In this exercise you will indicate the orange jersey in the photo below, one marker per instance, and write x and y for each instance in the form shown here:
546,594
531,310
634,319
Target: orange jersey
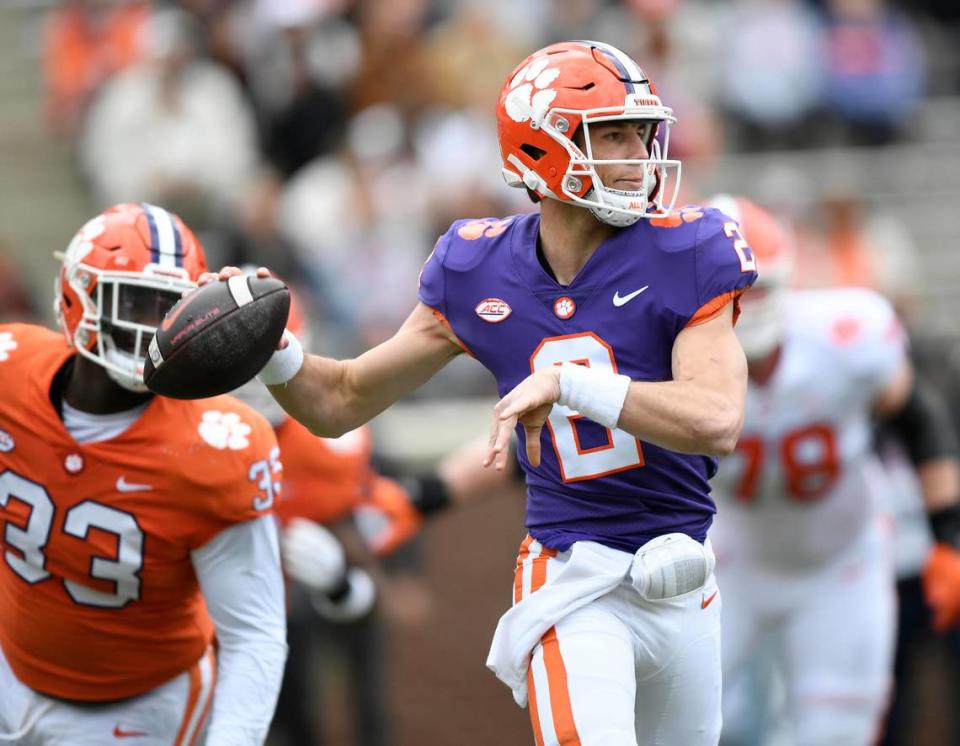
323,478
98,596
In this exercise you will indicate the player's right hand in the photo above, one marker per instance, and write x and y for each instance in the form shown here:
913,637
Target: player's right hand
312,556
529,403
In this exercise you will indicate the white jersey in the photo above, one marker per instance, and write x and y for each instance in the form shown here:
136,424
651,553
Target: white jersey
803,482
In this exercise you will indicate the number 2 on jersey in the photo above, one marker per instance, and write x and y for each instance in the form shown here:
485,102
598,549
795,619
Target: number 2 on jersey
744,252
621,451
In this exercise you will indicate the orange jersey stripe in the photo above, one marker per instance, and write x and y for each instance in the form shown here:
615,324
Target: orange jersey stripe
443,320
713,307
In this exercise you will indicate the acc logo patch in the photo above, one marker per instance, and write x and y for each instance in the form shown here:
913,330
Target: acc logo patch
493,310
6,442
224,430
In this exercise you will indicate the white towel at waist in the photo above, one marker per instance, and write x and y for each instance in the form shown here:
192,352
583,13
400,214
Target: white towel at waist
590,570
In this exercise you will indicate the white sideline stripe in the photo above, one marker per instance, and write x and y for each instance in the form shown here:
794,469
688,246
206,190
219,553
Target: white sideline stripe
166,238
240,290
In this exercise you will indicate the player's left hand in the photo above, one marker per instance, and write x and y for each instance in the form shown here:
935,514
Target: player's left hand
941,586
529,403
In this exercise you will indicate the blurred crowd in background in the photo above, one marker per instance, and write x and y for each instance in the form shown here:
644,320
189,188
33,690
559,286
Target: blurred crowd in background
334,140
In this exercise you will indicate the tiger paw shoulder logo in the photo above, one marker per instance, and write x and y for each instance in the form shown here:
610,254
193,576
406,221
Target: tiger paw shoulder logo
224,430
530,95
483,229
686,214
7,345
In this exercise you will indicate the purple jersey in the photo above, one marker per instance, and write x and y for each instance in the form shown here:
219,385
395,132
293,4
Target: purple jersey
623,311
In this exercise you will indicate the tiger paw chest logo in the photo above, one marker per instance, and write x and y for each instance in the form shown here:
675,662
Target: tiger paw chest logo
7,345
530,94
224,430
564,307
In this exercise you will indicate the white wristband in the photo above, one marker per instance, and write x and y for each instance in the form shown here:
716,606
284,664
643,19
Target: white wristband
283,364
596,394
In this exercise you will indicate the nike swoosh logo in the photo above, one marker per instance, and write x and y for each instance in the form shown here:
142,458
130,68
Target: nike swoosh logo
619,300
124,486
120,733
706,601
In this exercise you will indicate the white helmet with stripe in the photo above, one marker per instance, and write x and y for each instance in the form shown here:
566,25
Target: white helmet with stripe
121,273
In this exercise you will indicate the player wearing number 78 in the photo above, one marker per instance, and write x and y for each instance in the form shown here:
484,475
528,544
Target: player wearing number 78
134,529
802,541
607,319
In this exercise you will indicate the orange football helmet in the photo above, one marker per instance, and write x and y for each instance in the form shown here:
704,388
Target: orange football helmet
764,306
119,276
564,88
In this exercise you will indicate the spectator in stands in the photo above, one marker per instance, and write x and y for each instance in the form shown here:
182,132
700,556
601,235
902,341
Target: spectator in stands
875,71
174,129
300,57
772,77
86,41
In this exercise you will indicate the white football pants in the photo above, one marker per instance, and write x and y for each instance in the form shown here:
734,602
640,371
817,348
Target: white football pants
621,671
173,713
833,634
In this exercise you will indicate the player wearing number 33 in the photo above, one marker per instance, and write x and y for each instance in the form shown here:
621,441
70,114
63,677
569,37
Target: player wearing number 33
135,530
607,318
802,541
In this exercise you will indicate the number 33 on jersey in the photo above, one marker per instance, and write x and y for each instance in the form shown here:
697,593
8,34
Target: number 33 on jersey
98,536
623,311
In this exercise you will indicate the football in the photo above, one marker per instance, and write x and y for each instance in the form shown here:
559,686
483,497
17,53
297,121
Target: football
217,338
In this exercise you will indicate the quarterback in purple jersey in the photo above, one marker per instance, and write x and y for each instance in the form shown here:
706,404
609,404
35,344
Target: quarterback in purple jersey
607,319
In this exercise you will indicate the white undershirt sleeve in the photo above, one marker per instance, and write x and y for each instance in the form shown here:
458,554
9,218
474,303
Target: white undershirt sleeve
240,576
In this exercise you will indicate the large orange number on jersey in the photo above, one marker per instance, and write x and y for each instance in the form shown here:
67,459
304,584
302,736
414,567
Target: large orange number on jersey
621,451
809,479
122,570
810,463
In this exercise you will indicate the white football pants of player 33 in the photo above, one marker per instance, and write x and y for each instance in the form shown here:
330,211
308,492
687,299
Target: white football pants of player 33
174,713
616,670
833,634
